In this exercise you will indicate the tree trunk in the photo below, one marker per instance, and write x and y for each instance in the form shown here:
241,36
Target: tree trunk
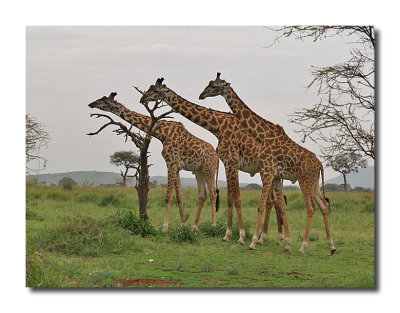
143,185
123,181
345,182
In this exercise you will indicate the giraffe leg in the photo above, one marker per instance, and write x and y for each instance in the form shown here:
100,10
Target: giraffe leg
231,198
266,221
324,207
202,195
172,169
267,179
213,195
306,188
178,192
280,203
233,174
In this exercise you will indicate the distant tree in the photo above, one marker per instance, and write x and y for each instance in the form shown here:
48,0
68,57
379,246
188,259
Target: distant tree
345,164
67,183
360,189
343,120
36,138
153,184
253,187
332,187
127,159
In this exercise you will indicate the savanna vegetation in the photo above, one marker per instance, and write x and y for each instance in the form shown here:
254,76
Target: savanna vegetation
93,237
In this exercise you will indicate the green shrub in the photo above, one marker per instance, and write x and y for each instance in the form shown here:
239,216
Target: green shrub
103,277
58,195
32,215
179,267
207,267
183,233
87,197
133,223
110,199
209,230
40,274
232,270
86,236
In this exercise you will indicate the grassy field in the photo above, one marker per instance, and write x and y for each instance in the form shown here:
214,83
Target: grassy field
88,237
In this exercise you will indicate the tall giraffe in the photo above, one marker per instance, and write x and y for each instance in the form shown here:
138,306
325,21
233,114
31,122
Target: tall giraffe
292,161
181,151
236,149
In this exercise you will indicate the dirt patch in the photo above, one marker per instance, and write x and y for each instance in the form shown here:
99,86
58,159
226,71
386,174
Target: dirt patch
146,282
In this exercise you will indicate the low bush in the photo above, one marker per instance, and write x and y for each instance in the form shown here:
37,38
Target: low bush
86,236
133,223
207,267
40,274
87,198
183,233
109,199
32,215
207,229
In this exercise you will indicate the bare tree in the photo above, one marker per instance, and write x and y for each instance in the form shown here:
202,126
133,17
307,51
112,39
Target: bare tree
142,142
345,164
36,138
343,120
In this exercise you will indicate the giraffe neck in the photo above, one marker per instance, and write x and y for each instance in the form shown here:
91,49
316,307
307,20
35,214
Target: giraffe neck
206,118
255,124
140,121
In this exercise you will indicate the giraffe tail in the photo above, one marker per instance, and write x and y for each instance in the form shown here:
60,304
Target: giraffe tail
323,186
216,189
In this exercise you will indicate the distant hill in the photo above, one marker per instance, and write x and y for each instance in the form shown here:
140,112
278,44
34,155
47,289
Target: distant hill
89,177
106,178
364,178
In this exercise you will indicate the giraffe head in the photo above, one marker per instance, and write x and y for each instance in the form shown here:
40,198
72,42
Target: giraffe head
156,92
216,87
106,103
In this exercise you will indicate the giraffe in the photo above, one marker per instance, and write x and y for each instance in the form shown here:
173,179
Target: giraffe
236,149
181,151
292,161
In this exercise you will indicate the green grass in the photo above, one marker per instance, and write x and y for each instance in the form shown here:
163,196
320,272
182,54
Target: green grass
92,237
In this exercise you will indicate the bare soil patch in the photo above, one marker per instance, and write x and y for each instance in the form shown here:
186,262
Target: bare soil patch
142,282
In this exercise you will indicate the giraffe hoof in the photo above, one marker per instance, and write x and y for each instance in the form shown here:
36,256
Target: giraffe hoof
333,251
241,241
286,250
278,243
252,248
224,240
260,242
301,251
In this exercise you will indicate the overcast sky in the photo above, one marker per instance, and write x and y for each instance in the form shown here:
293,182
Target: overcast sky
69,67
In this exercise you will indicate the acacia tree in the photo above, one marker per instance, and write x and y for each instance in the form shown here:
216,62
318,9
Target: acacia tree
36,138
343,120
142,142
345,164
127,159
